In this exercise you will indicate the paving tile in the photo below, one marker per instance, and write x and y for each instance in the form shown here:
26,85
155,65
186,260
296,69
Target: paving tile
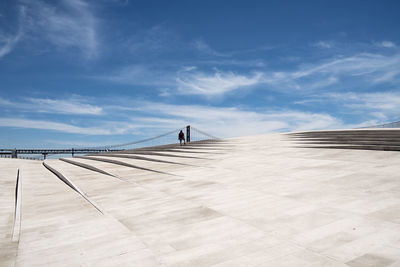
262,203
370,260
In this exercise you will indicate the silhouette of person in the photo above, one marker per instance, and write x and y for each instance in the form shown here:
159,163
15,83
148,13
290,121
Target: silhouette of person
181,137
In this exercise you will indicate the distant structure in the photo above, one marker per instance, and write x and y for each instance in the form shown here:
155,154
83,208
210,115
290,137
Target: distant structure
192,134
395,124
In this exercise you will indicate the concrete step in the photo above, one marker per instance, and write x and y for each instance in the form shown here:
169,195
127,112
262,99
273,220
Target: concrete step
354,142
382,139
365,147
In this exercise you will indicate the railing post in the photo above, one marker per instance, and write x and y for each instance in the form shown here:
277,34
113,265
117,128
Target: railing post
14,154
188,134
73,152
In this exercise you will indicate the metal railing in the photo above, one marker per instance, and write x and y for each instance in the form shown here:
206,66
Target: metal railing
395,124
171,137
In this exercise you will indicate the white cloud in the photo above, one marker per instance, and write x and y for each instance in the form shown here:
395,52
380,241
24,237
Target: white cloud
152,118
387,103
7,103
187,81
158,38
202,46
323,44
53,126
386,44
377,107
64,106
328,81
69,25
234,121
73,106
7,43
362,69
140,75
198,83
350,66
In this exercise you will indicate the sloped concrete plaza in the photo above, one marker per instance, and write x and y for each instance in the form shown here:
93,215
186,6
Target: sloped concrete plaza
250,201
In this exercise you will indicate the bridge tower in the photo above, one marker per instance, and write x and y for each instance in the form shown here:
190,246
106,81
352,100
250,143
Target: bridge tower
188,134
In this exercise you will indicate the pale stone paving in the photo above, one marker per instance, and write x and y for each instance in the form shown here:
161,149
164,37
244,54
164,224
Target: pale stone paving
251,201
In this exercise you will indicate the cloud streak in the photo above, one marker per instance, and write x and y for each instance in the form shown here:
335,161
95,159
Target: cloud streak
7,43
72,106
71,25
323,44
198,83
381,104
375,108
152,118
365,69
203,47
386,44
52,126
234,121
344,73
64,106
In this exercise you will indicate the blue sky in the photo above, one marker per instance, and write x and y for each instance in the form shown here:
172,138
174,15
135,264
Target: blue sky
84,73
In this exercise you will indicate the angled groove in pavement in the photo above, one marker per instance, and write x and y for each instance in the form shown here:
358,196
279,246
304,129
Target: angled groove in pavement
169,146
117,162
180,150
71,185
17,209
86,166
126,156
157,154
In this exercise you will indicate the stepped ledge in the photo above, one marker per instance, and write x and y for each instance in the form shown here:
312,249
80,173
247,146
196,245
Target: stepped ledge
322,198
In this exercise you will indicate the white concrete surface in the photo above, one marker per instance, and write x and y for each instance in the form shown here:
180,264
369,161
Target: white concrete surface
260,202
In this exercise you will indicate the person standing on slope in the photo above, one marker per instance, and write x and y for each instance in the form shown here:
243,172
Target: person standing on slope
181,137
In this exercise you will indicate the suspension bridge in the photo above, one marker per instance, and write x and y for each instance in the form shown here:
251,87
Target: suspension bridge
192,134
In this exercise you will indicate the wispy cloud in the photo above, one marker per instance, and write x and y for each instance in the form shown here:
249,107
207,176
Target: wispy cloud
140,75
382,103
234,121
360,70
156,39
358,65
53,126
152,118
69,25
323,44
186,80
7,43
364,69
218,83
386,44
376,108
74,106
203,47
